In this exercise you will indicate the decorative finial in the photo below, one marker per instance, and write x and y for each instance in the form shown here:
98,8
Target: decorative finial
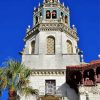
82,58
99,56
34,8
80,52
39,4
73,26
63,4
28,28
59,1
67,7
43,1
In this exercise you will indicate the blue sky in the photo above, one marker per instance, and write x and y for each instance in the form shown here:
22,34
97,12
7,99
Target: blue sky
16,15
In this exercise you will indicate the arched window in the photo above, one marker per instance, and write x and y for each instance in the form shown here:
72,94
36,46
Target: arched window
89,77
40,13
32,47
54,14
50,45
61,14
48,14
66,19
36,19
69,47
98,70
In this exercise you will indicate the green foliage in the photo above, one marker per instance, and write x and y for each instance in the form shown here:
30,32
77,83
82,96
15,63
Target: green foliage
16,77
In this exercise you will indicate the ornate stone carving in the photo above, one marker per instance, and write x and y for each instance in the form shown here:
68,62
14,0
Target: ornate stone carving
52,27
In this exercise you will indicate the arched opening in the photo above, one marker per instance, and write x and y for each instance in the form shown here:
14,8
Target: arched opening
36,19
89,77
76,76
98,74
61,14
66,19
32,47
46,1
48,14
69,47
50,45
54,14
40,13
98,70
75,79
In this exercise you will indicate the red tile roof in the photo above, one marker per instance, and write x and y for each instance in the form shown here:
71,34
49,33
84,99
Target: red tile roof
92,64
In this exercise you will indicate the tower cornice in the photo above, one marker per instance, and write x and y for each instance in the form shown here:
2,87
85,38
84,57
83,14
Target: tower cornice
52,27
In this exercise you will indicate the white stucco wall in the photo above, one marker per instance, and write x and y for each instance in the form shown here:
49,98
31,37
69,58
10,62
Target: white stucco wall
41,42
50,61
90,92
90,96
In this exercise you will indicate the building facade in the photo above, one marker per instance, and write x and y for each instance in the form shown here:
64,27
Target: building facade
50,46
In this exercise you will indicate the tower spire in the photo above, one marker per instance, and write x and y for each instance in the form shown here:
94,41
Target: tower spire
63,4
43,1
59,1
39,4
34,8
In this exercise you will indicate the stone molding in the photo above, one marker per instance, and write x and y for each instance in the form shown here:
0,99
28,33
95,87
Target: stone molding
48,72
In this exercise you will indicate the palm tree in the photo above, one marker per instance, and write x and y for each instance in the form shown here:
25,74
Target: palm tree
3,80
15,77
0,81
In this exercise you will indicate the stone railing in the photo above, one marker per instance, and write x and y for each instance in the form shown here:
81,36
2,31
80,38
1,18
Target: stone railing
88,82
58,27
91,89
52,27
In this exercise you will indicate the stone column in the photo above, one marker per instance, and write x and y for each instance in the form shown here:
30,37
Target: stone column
95,76
82,80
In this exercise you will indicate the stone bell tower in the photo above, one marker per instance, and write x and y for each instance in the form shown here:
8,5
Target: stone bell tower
50,46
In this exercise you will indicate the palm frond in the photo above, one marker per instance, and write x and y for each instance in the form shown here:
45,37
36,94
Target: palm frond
28,90
15,75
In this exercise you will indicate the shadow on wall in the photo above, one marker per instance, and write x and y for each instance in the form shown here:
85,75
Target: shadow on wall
69,92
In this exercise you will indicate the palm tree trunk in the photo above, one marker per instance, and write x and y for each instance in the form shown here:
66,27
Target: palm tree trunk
12,94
